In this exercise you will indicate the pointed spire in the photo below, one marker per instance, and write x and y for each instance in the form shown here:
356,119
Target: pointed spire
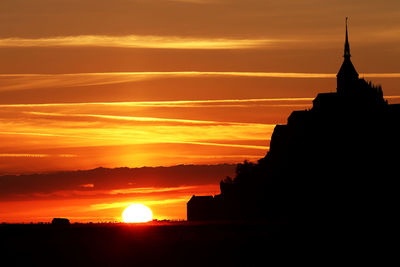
346,45
347,75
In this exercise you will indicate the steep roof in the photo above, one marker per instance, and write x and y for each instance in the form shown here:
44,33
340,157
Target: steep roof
347,69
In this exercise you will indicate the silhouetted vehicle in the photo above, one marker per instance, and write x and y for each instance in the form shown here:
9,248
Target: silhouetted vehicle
60,221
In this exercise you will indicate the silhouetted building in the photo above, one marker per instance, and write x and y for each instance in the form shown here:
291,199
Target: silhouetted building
201,208
335,162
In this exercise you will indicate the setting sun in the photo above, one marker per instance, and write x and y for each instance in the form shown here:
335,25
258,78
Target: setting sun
137,213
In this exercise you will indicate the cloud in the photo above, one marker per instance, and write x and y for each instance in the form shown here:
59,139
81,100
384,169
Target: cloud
31,155
112,182
19,155
226,145
129,118
147,190
137,41
113,205
144,119
175,103
87,185
33,81
121,191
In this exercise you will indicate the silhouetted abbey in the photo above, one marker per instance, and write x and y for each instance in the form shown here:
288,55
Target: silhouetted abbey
335,162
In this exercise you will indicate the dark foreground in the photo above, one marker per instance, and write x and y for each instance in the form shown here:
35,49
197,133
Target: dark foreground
166,244
190,244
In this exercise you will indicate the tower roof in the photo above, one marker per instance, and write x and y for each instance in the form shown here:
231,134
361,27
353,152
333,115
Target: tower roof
347,70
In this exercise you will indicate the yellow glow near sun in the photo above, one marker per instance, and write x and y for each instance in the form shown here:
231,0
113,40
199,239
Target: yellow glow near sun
137,213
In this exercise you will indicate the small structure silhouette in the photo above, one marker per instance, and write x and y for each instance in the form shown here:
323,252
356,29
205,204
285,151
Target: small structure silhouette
201,208
334,162
60,221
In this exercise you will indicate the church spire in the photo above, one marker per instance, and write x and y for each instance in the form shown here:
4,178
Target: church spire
347,75
346,45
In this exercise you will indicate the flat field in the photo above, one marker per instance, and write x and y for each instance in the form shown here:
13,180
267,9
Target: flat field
149,244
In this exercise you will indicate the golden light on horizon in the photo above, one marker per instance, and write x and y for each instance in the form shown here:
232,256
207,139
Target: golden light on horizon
137,213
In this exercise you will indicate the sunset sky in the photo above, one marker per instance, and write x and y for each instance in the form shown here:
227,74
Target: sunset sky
133,83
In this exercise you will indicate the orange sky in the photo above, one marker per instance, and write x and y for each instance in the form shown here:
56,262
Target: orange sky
134,83
102,194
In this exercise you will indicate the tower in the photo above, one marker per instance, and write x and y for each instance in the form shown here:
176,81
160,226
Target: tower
347,76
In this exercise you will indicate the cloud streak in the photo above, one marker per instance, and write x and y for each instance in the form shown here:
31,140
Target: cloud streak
145,119
113,205
62,126
175,103
32,81
137,41
25,155
149,190
293,101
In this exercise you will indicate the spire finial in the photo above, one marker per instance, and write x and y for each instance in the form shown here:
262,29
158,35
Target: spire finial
346,45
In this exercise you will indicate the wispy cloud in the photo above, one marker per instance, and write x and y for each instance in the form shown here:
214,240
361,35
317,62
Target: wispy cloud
90,190
227,145
27,155
148,190
145,119
65,127
175,103
32,81
103,206
292,102
137,41
21,155
87,185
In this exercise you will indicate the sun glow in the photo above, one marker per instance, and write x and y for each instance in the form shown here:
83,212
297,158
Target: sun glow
137,213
